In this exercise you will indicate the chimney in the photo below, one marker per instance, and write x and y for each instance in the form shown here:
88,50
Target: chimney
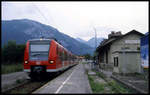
114,34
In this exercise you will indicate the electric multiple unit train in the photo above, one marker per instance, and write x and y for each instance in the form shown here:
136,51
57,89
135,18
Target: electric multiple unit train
44,56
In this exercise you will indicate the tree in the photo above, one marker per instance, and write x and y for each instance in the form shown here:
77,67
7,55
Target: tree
20,52
87,56
9,51
12,52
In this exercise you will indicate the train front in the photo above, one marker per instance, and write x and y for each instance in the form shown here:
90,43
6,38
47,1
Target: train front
36,57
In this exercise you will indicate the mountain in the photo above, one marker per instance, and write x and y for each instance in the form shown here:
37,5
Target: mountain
91,42
25,29
80,40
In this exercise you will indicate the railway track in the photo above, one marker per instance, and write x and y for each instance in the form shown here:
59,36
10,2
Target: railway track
31,85
28,87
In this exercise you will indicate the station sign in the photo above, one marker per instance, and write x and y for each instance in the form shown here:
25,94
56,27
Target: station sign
132,41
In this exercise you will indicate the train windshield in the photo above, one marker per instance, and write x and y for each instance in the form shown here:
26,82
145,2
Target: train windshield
39,48
39,51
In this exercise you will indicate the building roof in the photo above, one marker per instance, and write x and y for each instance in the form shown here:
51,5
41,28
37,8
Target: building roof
109,41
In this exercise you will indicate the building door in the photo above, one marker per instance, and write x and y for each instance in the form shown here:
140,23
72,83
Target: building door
116,63
106,56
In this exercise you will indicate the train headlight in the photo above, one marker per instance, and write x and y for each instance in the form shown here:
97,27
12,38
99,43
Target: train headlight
26,62
51,62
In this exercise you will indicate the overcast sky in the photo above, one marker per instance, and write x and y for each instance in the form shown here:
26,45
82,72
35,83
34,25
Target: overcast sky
77,19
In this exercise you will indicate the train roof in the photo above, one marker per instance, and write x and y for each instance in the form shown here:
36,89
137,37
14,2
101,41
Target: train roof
40,39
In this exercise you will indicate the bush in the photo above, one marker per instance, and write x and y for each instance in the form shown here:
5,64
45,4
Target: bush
10,68
87,56
12,52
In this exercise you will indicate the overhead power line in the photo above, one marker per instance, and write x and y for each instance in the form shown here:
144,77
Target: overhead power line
36,7
40,12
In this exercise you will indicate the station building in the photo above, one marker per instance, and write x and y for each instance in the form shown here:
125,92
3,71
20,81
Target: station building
120,53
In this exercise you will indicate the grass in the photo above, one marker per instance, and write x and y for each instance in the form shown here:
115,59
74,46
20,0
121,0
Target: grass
100,75
84,62
18,81
117,88
10,68
96,87
112,85
143,75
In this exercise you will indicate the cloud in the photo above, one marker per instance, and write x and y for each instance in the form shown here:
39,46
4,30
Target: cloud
77,19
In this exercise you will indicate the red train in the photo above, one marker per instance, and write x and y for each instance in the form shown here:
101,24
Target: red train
44,56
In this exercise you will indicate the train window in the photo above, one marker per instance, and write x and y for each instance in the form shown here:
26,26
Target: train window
66,56
63,55
73,58
69,57
59,52
57,49
39,51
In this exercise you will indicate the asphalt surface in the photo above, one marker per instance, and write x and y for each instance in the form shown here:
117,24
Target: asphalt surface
71,81
9,80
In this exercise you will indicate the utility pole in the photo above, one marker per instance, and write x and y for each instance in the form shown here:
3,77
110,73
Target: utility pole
95,41
95,38
95,47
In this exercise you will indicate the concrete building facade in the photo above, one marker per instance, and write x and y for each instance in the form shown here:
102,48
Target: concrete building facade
120,53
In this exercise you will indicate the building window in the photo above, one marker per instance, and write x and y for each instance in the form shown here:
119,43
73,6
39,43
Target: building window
115,61
138,48
106,57
125,48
